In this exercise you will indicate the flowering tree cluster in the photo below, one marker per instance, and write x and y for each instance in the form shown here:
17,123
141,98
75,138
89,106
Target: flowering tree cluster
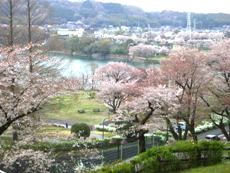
143,50
188,86
23,92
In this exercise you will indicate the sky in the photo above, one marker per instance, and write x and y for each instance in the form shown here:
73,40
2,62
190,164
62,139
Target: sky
199,6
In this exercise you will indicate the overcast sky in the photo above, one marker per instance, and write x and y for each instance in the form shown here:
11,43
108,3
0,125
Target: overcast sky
200,6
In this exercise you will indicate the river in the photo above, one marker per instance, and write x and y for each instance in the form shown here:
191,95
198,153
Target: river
76,65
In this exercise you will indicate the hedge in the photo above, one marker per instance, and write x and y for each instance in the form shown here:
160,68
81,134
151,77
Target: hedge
68,145
181,155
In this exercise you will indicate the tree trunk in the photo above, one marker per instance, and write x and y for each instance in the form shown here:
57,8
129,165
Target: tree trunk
4,127
141,142
224,131
193,133
172,130
29,34
11,39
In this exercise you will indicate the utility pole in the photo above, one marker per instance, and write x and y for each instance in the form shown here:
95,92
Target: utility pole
189,29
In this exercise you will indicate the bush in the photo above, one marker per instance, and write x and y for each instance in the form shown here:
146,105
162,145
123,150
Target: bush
81,130
96,110
157,160
173,158
211,152
82,111
119,168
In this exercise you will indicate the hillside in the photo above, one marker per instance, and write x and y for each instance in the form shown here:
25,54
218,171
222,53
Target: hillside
102,14
98,14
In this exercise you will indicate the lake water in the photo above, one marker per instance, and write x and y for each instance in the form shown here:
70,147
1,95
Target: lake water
76,66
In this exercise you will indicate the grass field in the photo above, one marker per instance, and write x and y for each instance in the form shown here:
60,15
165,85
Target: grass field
220,168
67,108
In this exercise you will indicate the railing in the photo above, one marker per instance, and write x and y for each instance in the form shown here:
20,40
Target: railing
124,151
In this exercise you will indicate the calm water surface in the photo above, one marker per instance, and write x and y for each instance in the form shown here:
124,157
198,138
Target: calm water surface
76,65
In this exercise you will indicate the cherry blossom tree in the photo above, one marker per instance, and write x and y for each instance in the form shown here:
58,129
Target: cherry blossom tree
118,81
118,72
146,111
186,69
143,50
27,161
22,93
217,98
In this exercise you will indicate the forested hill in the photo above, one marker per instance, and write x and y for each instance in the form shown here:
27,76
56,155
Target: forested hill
102,14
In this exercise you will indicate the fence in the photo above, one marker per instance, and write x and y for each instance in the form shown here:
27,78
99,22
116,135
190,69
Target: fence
125,151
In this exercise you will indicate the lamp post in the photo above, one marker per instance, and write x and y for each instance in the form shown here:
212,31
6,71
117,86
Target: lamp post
103,136
103,128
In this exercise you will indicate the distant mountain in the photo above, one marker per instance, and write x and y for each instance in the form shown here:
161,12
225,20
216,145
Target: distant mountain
98,14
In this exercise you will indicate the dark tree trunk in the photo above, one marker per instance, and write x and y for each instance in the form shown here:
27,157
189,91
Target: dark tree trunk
224,131
11,30
193,133
29,33
141,142
4,127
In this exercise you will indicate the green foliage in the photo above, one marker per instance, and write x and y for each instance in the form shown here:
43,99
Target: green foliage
119,168
157,159
81,130
211,152
220,168
179,156
102,47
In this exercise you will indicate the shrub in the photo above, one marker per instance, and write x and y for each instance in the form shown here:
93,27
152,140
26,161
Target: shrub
185,150
173,158
211,152
81,130
157,160
82,111
96,110
119,168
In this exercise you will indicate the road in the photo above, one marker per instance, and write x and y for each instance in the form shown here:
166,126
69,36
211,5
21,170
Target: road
213,132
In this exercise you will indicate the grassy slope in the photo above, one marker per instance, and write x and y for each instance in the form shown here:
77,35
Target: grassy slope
220,168
66,108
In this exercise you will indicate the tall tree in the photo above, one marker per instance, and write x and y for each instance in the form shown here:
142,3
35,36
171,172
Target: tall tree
35,15
187,70
146,111
217,98
22,93
7,12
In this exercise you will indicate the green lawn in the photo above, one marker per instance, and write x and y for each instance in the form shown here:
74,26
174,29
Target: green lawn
220,168
67,108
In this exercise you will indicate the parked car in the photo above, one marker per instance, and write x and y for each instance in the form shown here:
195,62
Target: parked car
212,137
